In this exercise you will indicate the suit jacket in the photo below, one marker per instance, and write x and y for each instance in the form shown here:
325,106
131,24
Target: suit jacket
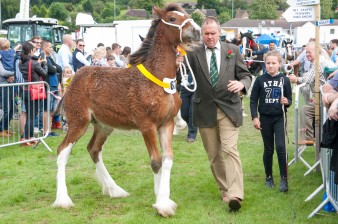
207,98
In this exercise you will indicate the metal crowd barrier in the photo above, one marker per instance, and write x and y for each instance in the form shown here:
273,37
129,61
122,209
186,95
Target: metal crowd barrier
299,149
14,112
331,189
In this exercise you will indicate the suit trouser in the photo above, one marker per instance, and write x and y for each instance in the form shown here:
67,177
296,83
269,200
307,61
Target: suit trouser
220,143
306,121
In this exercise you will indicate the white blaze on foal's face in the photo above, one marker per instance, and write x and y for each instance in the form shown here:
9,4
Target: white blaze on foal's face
179,13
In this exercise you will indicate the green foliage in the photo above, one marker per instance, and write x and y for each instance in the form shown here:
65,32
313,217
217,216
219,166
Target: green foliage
35,11
9,8
87,6
43,11
224,17
28,190
197,18
326,9
259,9
58,11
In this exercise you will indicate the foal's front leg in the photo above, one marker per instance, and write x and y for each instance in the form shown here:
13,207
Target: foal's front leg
164,206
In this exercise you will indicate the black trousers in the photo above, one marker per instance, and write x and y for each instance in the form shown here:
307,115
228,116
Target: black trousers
186,111
273,131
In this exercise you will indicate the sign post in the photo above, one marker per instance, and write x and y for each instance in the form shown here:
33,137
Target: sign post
317,91
309,10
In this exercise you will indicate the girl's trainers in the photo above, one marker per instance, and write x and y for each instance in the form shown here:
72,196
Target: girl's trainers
269,182
283,185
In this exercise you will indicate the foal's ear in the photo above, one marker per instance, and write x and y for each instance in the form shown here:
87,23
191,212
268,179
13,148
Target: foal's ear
159,12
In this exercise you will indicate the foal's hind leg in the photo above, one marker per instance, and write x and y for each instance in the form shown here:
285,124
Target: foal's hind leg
109,187
62,198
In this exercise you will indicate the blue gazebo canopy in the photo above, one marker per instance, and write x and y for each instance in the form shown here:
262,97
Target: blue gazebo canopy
266,39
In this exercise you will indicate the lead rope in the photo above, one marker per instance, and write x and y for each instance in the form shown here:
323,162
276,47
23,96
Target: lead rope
183,71
285,126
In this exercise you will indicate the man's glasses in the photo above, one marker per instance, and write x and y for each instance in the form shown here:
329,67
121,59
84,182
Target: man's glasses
81,45
36,42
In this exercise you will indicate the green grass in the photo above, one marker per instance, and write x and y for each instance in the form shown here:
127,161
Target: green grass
28,184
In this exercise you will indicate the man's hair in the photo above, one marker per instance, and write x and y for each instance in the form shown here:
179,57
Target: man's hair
35,37
44,43
210,19
100,45
79,40
115,45
334,41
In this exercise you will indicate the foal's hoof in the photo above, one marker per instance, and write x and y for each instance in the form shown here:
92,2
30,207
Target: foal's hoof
63,203
165,208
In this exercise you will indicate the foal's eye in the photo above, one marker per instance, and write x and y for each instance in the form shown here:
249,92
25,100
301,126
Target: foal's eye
172,19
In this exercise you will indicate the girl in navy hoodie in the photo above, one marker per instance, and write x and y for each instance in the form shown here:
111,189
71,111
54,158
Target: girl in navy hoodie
271,94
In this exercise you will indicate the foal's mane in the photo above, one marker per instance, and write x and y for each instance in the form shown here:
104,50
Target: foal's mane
142,53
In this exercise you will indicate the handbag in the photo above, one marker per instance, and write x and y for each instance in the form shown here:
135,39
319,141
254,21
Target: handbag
37,91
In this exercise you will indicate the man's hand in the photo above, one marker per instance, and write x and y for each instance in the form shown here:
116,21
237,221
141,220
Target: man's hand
179,59
333,111
235,86
10,79
293,78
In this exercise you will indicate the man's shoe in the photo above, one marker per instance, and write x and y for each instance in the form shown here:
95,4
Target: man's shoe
283,185
305,142
4,134
235,204
269,182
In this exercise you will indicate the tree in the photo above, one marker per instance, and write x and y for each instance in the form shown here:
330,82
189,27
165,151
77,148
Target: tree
87,6
208,4
259,9
35,11
43,11
58,11
197,18
9,8
326,9
224,17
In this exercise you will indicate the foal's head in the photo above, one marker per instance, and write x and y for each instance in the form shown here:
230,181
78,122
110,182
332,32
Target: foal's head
173,25
179,28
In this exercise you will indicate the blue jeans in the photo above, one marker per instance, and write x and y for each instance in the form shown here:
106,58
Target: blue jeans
32,107
186,111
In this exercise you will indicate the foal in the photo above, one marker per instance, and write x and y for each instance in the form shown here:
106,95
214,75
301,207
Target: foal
140,97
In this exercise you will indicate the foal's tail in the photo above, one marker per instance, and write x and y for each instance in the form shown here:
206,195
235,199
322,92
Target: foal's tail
59,109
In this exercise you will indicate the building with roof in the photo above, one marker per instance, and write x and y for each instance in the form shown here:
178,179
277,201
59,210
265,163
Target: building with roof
302,31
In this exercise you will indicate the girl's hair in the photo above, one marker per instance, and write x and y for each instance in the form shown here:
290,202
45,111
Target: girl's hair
276,54
66,68
25,52
99,52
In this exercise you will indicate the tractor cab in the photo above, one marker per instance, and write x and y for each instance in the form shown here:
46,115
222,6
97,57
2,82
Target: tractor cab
59,31
23,29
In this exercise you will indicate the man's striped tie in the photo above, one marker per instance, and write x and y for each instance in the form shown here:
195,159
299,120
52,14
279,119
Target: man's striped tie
213,68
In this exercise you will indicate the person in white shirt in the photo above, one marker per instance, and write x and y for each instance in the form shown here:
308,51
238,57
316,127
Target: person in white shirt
79,59
65,54
116,48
